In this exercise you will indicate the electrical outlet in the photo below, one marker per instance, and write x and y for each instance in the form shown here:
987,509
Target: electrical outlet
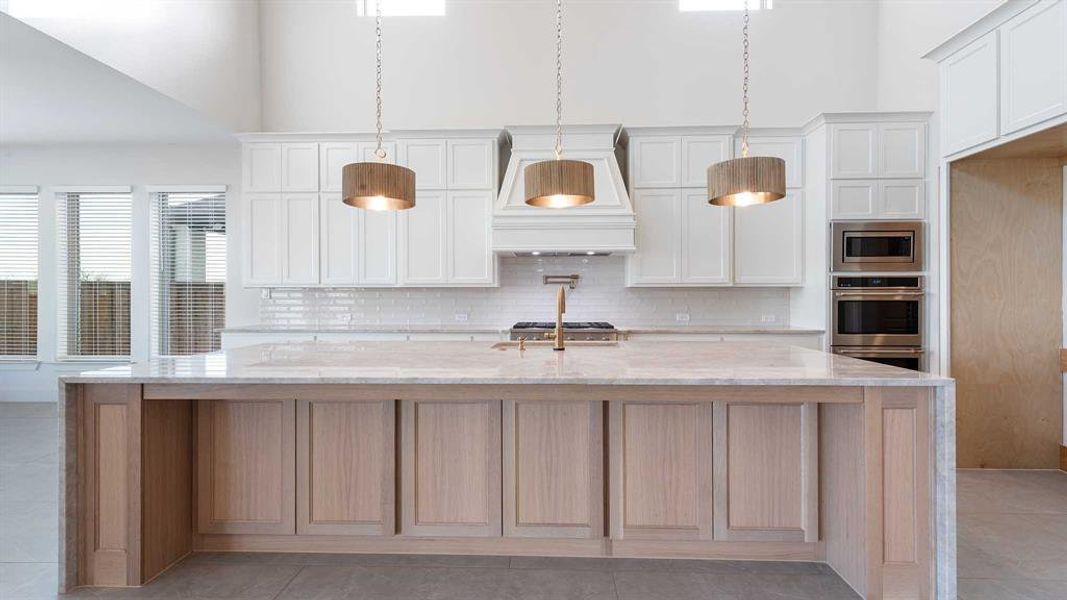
769,318
461,317
681,317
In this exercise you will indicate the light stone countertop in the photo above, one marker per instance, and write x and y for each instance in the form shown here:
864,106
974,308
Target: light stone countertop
627,363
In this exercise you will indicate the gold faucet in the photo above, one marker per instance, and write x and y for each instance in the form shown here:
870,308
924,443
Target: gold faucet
561,307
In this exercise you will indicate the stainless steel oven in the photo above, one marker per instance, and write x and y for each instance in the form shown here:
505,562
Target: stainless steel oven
877,311
903,357
874,246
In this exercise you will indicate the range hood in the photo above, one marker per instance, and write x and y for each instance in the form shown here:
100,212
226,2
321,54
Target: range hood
602,227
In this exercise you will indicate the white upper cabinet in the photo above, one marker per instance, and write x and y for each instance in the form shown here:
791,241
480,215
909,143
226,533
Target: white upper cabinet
262,167
706,241
969,95
428,158
423,230
262,231
333,156
789,149
854,199
471,164
300,239
656,161
901,198
877,199
300,167
658,259
357,247
854,151
901,150
699,152
377,247
768,242
1033,66
470,259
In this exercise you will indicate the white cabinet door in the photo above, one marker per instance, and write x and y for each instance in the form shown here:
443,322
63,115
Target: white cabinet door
427,158
262,167
333,156
300,167
377,247
656,161
423,235
854,151
339,230
901,198
300,239
701,151
1033,66
470,259
471,164
706,240
789,149
768,242
853,199
262,239
659,223
969,95
902,150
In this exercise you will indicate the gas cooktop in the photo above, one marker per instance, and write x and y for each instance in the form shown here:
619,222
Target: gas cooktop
566,325
572,330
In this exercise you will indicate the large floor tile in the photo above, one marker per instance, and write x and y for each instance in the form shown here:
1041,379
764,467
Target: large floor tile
26,440
1006,546
322,582
659,585
522,584
251,582
28,581
28,410
29,482
365,560
29,532
1011,491
1011,589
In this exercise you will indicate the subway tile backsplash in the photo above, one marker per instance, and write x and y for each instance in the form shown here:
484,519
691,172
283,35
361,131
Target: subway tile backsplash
601,295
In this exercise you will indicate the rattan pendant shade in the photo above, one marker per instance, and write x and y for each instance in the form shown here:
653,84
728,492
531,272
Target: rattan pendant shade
558,183
746,181
378,186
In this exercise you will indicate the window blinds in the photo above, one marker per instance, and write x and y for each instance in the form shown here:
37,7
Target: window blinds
18,275
93,233
190,271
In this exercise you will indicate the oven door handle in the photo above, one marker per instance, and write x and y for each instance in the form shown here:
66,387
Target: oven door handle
861,295
879,351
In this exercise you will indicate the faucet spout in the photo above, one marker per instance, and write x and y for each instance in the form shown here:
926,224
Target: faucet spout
561,307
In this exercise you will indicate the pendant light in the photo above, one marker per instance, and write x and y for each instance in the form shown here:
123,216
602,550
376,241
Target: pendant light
559,183
378,185
747,180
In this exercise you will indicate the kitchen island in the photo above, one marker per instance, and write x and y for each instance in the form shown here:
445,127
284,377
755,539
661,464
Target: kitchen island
711,450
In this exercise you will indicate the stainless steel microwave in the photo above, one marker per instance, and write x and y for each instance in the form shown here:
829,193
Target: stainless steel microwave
875,246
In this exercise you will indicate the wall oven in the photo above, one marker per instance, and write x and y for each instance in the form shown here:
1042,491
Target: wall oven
877,311
874,246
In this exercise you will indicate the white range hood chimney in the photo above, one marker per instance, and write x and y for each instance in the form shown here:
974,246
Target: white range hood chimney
602,227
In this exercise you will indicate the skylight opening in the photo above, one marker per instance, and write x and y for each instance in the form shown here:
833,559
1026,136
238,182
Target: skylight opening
710,5
401,8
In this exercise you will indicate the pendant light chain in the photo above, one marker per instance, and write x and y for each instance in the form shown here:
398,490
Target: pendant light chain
379,152
559,78
744,86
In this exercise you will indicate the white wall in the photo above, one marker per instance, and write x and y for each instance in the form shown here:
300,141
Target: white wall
137,166
491,63
908,29
204,54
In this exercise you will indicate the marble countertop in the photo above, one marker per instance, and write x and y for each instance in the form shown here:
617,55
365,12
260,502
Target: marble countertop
634,329
625,363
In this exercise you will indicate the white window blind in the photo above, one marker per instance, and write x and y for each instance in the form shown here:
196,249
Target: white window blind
190,271
93,234
18,275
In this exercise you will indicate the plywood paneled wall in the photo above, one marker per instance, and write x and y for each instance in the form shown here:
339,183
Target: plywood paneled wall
1006,282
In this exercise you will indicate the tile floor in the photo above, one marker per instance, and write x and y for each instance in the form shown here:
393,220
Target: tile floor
1012,546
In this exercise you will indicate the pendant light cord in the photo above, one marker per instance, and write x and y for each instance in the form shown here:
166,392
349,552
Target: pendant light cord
379,152
744,85
559,78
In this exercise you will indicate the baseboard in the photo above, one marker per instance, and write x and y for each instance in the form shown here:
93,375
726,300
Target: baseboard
1063,458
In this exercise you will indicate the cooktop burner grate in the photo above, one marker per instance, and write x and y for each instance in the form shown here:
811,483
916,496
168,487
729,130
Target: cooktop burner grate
566,325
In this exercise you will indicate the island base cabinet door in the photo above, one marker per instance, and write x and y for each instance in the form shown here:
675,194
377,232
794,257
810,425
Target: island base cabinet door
450,468
345,467
766,472
553,469
246,466
661,470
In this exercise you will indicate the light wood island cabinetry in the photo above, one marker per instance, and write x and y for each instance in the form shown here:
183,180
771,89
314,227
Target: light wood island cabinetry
689,461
